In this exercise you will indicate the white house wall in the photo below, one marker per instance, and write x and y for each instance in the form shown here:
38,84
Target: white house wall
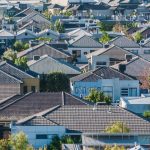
83,57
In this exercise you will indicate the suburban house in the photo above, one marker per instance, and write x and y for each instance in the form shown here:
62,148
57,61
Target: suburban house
55,8
86,121
6,38
136,67
137,105
39,18
112,82
81,46
48,33
14,81
108,57
34,53
47,64
78,32
98,10
19,106
24,13
132,46
25,35
32,26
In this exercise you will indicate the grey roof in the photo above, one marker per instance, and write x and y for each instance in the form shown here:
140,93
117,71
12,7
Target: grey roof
100,73
65,64
88,120
6,78
25,12
78,32
84,41
51,51
124,42
14,71
33,103
147,44
113,51
137,67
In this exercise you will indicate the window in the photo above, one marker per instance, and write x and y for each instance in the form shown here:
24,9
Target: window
76,90
25,89
76,53
134,51
26,33
33,89
41,136
132,91
36,57
91,51
85,53
124,92
45,136
99,89
100,64
108,90
146,51
48,33
83,90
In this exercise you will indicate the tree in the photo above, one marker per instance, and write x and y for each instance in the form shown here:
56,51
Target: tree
146,114
68,13
59,26
44,39
55,143
115,147
138,37
98,96
22,62
105,26
20,46
4,144
19,141
54,82
47,14
10,55
67,140
145,79
117,127
105,38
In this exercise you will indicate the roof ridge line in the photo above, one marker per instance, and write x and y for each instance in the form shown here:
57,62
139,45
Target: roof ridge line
76,98
15,101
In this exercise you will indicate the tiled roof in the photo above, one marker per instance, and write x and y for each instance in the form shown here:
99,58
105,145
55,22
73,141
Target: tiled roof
25,12
52,51
142,66
124,42
147,44
14,70
86,119
5,33
113,52
6,78
64,65
100,73
78,32
33,103
84,41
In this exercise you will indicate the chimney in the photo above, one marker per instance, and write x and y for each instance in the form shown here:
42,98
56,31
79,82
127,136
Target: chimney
122,68
128,57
